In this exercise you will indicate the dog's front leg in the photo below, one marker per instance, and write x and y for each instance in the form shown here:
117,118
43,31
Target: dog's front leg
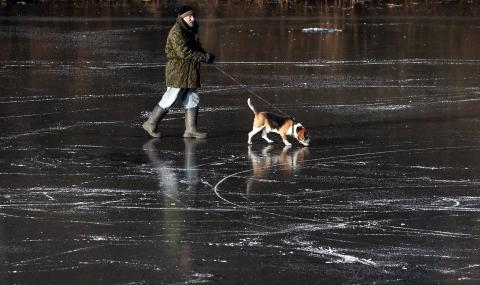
284,139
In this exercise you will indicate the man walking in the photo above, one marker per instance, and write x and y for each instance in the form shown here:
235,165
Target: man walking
184,54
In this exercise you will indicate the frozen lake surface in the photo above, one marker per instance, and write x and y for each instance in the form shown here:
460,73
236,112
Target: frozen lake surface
387,192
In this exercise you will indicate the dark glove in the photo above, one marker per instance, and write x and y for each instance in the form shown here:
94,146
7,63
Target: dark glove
210,58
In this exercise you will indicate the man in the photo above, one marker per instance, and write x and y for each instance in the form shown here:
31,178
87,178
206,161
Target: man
184,54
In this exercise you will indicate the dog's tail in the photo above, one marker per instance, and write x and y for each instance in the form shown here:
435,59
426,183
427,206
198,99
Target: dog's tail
251,107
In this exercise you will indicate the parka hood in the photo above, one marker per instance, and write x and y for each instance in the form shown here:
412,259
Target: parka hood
186,27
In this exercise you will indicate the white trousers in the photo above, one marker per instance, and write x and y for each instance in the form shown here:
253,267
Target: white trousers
189,97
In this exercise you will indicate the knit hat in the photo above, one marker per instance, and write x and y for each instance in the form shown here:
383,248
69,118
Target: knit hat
185,11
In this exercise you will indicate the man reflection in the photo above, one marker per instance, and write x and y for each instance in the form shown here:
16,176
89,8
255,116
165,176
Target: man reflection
171,178
289,161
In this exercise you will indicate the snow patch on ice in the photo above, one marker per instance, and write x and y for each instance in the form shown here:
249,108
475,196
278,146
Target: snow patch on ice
197,278
320,30
428,167
336,255
449,271
267,180
242,243
99,238
388,107
219,109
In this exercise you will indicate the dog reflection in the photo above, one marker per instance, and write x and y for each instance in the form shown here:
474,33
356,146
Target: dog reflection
288,161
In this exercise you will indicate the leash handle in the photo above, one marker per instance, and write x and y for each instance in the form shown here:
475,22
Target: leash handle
248,89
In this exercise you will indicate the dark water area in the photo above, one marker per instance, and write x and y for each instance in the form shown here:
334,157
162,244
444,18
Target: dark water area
387,192
233,8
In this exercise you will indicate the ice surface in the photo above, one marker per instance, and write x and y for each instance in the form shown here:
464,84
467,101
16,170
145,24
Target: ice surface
388,191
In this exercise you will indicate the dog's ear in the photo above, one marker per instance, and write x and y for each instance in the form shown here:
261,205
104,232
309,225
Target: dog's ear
301,132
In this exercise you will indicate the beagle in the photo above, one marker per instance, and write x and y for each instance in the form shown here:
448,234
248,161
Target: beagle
284,126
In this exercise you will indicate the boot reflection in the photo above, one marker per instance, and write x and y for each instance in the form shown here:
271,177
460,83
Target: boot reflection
190,161
289,161
167,178
168,173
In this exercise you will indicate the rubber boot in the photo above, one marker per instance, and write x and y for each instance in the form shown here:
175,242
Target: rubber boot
191,116
151,124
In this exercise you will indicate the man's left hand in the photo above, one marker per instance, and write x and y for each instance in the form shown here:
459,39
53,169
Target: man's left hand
210,58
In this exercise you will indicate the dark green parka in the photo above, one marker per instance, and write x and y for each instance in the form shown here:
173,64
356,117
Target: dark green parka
184,54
